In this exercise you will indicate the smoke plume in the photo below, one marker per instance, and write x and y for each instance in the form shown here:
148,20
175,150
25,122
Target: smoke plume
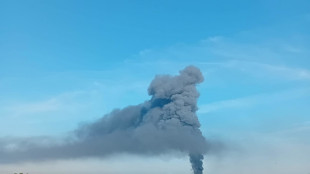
165,123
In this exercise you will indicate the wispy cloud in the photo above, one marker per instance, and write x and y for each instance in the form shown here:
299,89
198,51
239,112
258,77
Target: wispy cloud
295,130
254,100
56,103
270,70
33,107
40,117
272,57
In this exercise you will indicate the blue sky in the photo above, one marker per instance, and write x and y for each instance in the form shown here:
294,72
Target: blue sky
63,63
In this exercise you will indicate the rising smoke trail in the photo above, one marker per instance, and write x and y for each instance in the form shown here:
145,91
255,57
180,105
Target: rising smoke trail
166,123
196,161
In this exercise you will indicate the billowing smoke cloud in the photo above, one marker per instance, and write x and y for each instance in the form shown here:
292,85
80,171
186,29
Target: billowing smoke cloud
165,123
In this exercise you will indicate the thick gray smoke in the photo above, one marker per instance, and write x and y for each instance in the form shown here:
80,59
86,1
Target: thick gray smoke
196,161
165,123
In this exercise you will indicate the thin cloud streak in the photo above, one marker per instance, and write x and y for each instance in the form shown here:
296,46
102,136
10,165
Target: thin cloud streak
255,100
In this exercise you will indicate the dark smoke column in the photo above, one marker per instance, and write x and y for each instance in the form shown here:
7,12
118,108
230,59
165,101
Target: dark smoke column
196,161
182,95
166,123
